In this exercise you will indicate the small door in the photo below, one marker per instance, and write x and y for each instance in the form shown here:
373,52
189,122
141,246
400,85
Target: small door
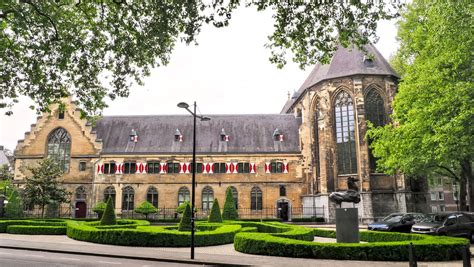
81,209
283,210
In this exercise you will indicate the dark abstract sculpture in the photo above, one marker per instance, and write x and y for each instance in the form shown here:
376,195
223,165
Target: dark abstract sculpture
351,195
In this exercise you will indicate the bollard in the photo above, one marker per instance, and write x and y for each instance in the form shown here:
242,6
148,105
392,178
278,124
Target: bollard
466,256
412,256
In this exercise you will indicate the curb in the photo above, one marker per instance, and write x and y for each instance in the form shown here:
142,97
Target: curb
125,256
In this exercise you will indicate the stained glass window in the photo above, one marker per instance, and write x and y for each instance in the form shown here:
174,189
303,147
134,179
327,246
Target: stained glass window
59,147
345,134
235,195
256,199
109,192
375,113
183,195
207,198
152,196
128,197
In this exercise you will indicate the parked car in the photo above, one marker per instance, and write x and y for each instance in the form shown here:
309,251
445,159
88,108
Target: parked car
397,222
459,224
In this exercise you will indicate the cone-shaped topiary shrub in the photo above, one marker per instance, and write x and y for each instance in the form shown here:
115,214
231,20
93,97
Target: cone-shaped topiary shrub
146,208
230,212
108,218
185,223
215,216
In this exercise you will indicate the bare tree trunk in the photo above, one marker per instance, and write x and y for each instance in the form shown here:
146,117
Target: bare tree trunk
466,174
462,193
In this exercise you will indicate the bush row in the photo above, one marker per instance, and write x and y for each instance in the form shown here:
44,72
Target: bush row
381,247
36,230
5,223
151,236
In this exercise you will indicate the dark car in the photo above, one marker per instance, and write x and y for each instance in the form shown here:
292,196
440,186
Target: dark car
397,222
450,224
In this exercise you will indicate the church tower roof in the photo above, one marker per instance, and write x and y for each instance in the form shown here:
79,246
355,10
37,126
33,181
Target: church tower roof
346,62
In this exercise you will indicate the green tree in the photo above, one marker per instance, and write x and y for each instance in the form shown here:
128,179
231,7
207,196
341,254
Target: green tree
43,187
99,208
185,223
14,207
433,129
146,208
108,218
5,172
180,209
230,212
52,49
215,215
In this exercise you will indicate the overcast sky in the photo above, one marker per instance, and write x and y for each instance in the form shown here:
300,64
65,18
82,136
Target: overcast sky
227,73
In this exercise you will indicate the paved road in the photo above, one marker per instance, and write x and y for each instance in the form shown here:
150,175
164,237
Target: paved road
20,258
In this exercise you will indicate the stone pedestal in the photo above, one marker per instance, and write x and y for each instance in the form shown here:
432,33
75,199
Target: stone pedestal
347,225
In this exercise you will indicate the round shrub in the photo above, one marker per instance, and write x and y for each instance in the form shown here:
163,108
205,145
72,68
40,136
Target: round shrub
99,208
146,208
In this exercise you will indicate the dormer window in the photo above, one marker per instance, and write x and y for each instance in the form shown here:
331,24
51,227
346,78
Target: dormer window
368,61
277,135
178,137
61,115
223,136
133,136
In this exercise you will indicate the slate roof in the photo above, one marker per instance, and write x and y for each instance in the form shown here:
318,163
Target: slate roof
3,158
345,62
247,134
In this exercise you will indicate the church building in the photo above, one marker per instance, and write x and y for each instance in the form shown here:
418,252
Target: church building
283,165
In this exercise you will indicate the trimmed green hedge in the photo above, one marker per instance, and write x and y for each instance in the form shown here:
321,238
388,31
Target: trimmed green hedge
381,246
36,230
5,223
153,236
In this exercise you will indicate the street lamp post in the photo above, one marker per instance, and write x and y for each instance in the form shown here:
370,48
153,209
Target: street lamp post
193,181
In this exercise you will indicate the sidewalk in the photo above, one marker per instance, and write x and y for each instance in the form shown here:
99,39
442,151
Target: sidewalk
224,255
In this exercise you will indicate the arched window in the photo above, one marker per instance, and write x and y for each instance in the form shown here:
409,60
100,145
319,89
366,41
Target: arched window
345,134
109,192
59,147
375,113
207,198
81,193
152,196
183,195
235,196
128,196
256,199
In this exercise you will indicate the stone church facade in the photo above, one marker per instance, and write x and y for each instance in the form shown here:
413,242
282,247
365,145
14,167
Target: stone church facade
284,163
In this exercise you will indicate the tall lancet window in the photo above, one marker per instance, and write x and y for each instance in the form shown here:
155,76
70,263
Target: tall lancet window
345,134
375,113
59,147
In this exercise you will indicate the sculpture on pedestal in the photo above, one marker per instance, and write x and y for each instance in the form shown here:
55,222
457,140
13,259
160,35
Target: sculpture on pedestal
350,195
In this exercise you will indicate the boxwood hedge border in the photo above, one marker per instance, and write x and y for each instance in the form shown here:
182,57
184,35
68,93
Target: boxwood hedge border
380,246
33,226
141,234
